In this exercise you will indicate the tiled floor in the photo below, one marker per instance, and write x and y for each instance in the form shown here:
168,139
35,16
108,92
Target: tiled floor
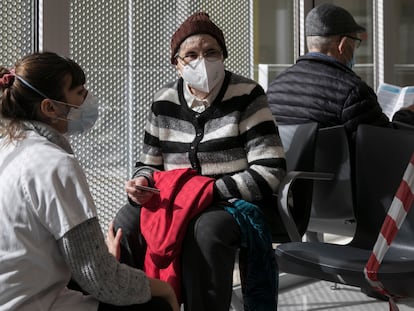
300,294
322,295
325,296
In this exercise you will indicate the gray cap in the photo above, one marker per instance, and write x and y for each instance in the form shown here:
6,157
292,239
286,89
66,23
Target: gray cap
328,19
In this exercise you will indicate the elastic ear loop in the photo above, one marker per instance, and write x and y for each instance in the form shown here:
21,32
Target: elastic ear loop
30,86
40,93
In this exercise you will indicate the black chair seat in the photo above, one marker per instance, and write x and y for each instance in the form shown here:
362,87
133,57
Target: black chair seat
317,258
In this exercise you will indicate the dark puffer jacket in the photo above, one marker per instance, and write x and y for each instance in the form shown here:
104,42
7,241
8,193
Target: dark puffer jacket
319,88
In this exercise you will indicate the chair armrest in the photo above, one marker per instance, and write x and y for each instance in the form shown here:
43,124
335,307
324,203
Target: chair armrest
283,194
402,125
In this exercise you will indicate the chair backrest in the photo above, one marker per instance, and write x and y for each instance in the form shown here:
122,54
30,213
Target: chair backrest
382,155
299,144
332,201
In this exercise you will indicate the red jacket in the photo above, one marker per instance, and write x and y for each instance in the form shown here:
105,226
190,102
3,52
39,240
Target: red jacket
164,220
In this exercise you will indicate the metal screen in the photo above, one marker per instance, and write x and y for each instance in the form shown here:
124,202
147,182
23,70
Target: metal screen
17,34
123,46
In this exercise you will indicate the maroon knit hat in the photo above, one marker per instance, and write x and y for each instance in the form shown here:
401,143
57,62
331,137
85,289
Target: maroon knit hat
198,23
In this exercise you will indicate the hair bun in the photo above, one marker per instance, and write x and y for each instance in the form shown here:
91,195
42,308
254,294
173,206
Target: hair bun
7,79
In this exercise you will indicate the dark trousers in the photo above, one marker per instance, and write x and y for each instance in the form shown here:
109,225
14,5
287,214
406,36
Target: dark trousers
155,304
208,255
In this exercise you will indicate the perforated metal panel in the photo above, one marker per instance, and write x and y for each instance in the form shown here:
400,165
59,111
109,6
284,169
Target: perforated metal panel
17,20
123,46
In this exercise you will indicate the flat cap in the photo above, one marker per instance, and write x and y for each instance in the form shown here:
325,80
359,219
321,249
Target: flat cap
328,19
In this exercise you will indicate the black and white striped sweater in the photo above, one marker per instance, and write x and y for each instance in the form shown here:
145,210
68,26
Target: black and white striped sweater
235,140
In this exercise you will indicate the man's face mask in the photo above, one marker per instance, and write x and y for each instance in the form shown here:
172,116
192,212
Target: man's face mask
203,75
350,64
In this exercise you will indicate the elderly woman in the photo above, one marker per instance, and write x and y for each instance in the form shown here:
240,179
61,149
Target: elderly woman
218,124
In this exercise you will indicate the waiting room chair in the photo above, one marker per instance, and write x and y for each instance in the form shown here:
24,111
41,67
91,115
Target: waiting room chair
332,201
290,224
382,155
299,143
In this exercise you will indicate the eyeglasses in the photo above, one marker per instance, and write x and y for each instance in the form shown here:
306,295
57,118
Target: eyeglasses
209,55
357,40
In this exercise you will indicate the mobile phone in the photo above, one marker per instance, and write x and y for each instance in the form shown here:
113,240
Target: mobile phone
154,190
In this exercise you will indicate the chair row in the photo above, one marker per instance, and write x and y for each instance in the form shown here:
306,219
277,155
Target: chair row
380,158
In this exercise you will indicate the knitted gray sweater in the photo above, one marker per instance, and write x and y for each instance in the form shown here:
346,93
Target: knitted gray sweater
97,271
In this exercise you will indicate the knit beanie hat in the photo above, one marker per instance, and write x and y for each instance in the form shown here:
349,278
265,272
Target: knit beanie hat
198,23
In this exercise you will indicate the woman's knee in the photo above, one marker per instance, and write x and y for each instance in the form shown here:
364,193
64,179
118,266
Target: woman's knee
127,218
133,245
214,227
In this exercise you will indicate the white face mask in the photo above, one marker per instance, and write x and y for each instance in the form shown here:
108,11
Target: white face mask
203,75
81,119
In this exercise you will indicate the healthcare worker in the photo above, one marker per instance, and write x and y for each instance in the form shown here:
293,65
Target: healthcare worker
49,227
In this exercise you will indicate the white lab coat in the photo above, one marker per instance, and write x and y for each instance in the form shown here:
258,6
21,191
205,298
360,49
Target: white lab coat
43,194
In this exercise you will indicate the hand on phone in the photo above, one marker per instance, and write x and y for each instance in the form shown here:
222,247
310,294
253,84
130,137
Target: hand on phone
145,188
138,190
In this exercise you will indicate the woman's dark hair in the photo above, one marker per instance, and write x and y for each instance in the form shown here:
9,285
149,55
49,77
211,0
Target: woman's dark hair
47,72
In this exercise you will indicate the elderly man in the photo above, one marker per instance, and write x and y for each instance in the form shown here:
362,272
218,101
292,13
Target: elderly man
321,86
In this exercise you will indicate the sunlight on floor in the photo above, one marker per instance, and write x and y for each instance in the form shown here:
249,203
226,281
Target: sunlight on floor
301,294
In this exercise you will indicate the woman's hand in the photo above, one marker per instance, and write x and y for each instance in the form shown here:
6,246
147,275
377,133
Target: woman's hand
164,289
113,241
137,195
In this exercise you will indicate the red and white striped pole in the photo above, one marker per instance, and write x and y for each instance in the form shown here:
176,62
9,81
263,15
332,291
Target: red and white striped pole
400,206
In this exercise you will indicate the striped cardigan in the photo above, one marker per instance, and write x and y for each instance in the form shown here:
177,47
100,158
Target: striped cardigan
234,141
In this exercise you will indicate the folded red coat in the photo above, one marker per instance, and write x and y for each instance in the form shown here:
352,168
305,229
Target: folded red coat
165,218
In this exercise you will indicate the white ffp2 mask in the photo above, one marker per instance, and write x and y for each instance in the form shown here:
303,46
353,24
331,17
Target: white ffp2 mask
203,75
